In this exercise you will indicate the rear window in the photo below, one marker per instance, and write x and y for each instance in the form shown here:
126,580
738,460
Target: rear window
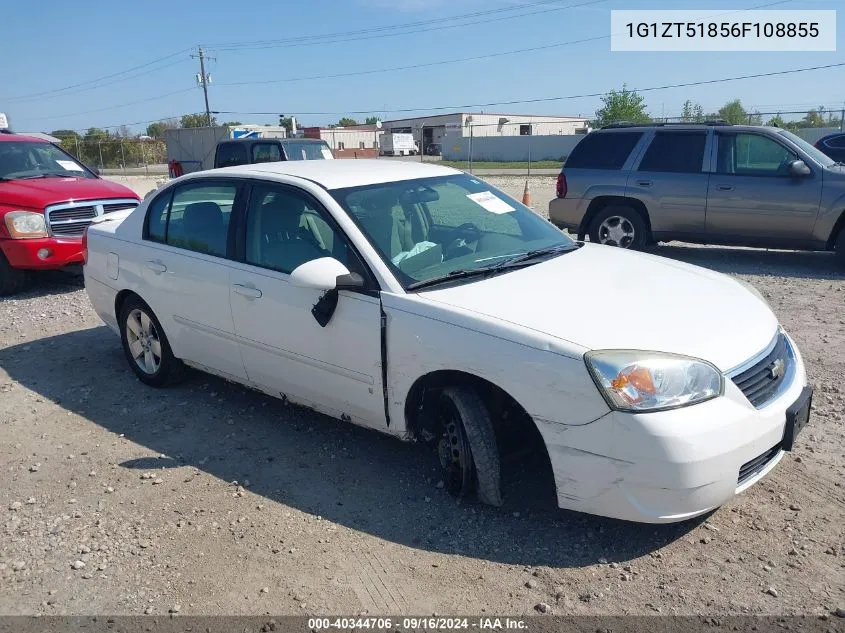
678,152
603,150
229,154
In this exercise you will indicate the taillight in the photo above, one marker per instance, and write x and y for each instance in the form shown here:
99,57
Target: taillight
85,245
561,185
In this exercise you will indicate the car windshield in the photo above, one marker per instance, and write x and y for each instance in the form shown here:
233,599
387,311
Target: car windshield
25,159
448,227
306,151
814,153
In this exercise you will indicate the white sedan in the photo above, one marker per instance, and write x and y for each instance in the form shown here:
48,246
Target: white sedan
419,301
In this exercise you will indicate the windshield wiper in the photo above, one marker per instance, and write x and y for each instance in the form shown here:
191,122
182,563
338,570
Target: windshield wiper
461,273
537,253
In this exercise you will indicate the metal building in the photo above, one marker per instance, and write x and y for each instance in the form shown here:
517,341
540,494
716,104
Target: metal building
435,129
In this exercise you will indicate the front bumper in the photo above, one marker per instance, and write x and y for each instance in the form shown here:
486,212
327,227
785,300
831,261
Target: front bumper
671,465
23,254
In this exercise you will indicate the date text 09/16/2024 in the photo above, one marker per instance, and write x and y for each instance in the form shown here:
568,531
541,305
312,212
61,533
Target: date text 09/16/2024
415,623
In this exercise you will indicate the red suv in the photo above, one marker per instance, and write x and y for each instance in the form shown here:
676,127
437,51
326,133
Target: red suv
47,198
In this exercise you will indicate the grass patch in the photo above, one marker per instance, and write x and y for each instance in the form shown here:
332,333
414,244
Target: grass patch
521,165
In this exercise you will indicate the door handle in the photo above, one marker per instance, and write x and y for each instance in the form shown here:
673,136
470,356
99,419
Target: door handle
645,183
156,266
248,291
726,187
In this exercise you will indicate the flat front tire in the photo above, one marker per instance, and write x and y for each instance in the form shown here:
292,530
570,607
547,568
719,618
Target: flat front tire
469,456
145,345
619,225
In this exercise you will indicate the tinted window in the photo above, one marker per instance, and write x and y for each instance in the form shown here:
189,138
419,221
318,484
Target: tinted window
266,153
680,152
157,217
607,150
284,229
229,154
199,217
752,155
836,141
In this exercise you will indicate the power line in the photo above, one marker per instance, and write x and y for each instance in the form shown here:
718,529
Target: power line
115,107
465,106
400,29
415,66
99,79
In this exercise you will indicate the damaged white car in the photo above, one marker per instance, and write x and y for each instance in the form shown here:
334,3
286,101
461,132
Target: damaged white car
422,302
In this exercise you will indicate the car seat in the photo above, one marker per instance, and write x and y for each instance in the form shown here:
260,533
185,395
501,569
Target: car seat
204,229
285,242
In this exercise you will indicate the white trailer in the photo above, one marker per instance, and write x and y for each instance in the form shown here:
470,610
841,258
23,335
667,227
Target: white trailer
399,144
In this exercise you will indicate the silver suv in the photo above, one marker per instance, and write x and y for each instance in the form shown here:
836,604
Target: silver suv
715,183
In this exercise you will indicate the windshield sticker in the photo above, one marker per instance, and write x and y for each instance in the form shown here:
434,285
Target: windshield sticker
69,165
492,203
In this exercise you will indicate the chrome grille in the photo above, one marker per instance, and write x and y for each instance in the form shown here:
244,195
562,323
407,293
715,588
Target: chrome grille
761,381
70,219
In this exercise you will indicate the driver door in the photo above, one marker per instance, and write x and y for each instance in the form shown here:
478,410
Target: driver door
752,195
335,369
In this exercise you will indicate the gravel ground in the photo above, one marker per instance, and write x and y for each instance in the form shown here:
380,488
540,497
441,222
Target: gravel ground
208,498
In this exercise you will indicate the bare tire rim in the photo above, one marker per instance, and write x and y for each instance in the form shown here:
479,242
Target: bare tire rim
617,231
453,450
143,340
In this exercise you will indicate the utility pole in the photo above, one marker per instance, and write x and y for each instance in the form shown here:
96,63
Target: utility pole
203,79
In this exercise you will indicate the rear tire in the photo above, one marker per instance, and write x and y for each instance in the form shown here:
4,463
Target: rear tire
840,246
12,280
619,225
146,346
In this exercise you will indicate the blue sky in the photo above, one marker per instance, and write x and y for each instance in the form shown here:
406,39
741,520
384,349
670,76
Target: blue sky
53,44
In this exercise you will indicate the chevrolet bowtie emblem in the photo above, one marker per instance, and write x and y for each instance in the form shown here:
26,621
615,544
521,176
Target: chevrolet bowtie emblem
777,368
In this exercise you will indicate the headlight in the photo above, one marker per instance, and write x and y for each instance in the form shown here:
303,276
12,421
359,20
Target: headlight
25,224
651,381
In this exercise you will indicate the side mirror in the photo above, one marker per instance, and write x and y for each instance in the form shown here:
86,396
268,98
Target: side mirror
325,273
798,169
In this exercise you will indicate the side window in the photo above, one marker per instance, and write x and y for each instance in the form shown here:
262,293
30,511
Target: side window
603,150
157,217
752,155
678,152
230,154
199,217
837,141
266,153
284,229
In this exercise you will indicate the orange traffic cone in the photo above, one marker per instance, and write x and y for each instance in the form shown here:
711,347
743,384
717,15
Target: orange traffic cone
526,196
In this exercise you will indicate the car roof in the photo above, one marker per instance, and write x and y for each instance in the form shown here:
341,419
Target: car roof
6,137
340,173
265,140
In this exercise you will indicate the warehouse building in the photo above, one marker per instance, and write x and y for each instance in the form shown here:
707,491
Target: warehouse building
434,129
354,141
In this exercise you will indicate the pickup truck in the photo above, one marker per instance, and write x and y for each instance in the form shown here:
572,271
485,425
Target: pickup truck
47,199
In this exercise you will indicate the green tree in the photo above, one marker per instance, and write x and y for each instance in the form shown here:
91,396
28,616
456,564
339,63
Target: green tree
196,120
814,118
621,105
346,122
286,122
157,129
692,112
776,121
65,134
232,123
372,120
734,112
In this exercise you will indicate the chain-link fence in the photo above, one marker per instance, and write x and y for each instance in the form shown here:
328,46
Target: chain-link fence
120,155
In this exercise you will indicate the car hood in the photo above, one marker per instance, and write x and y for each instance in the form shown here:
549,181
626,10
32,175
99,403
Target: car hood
600,297
40,192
